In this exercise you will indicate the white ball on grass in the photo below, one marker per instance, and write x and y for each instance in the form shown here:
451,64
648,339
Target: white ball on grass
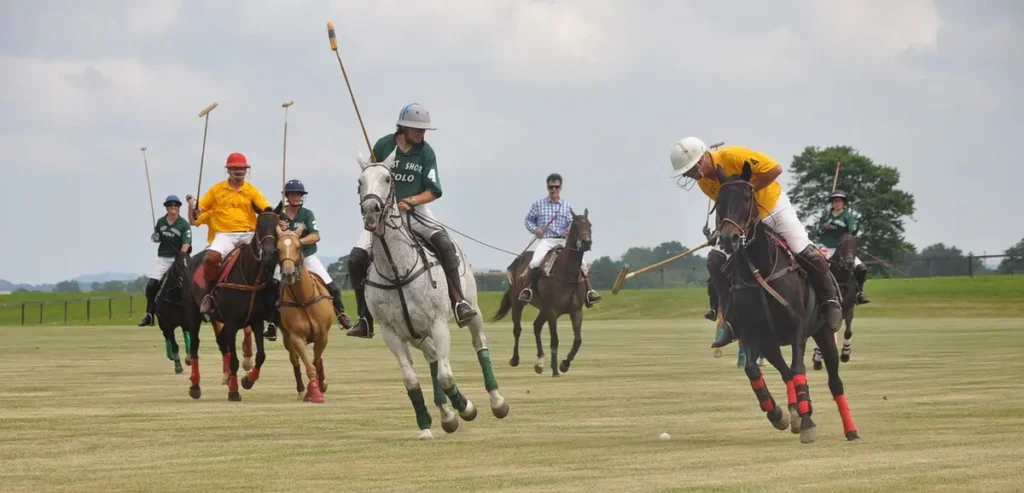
664,436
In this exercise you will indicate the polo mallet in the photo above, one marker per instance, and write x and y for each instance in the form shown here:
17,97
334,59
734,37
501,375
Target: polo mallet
835,180
718,322
334,47
284,150
152,211
199,186
625,274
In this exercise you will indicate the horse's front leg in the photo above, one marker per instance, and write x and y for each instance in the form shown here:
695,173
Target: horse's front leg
247,363
412,382
576,316
848,335
808,430
553,329
253,375
517,330
538,325
293,356
191,328
764,397
230,334
499,406
171,346
770,350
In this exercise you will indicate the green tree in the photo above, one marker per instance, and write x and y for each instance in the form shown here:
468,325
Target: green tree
338,271
942,260
67,287
874,197
1008,265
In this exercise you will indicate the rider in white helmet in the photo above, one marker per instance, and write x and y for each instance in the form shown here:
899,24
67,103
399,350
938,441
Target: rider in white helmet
416,185
692,162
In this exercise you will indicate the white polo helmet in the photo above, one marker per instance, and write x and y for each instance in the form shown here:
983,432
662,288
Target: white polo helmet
414,115
685,155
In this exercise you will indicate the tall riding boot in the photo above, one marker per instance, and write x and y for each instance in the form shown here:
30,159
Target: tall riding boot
861,273
593,297
339,306
824,284
358,262
151,288
529,277
712,313
720,284
270,330
450,262
211,271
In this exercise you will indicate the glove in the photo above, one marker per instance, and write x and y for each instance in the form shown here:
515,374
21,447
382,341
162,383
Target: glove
707,232
155,237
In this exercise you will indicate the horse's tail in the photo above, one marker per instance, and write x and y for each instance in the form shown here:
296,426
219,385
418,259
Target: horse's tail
506,305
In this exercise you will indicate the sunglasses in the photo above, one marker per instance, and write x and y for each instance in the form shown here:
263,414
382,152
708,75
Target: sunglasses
554,187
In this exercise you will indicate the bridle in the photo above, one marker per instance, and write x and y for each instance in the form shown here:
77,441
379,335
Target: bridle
260,240
751,221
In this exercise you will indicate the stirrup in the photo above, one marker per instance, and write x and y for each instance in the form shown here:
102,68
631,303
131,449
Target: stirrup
526,293
724,337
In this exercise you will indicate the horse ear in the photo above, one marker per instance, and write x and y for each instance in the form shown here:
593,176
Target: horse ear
300,229
747,172
586,212
390,161
720,173
361,159
280,230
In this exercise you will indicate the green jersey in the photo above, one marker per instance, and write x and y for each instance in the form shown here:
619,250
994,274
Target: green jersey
172,236
834,227
305,217
415,171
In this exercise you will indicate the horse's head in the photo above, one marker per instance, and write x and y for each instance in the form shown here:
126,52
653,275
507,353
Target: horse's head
289,253
376,191
737,209
265,238
580,236
847,250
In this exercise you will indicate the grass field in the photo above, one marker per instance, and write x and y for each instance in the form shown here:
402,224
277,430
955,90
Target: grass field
930,297
936,397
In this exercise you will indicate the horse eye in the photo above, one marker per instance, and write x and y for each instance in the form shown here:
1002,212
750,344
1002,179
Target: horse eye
387,180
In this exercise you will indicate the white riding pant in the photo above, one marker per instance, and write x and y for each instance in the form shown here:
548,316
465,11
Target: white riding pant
545,245
831,251
224,243
313,265
784,221
163,264
422,228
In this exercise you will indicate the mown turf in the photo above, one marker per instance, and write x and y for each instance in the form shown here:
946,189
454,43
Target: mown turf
938,403
923,297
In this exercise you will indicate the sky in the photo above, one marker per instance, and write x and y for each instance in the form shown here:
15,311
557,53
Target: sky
597,90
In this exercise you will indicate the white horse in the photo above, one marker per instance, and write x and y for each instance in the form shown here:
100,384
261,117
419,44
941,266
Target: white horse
407,294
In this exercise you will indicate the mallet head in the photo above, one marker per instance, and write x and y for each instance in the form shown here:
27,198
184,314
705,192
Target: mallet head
144,148
287,103
207,109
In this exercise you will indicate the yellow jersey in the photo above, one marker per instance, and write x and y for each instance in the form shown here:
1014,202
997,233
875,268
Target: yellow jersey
226,210
731,160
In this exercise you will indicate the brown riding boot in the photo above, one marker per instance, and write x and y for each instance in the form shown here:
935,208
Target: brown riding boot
592,297
211,271
450,262
358,262
824,284
528,276
720,285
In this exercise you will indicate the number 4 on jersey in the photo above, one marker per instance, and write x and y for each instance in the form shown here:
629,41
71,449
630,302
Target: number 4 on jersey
432,176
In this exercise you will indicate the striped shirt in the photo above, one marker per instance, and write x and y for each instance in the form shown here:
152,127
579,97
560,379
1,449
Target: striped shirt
542,212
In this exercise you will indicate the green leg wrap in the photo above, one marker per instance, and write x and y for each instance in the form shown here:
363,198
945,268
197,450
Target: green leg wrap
741,357
439,398
484,356
167,348
422,415
718,332
554,358
188,341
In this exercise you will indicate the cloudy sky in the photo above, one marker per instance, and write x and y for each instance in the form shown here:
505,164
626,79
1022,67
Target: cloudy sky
597,90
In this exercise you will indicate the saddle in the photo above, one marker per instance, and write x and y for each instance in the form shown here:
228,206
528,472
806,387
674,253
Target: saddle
226,264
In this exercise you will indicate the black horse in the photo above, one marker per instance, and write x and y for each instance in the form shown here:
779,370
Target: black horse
169,308
243,297
842,266
761,267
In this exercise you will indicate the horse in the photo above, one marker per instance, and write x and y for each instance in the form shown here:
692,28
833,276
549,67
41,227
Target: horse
306,312
407,293
841,265
561,291
168,308
241,299
759,263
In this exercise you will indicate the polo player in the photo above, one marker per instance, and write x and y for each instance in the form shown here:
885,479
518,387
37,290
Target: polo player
693,162
174,235
416,184
835,222
228,209
549,220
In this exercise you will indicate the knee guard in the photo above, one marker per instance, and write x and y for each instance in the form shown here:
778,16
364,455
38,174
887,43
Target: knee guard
446,250
358,263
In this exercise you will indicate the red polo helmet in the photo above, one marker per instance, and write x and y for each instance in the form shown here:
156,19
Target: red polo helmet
237,160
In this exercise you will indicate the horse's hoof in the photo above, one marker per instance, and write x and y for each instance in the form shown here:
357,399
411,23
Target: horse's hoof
468,414
555,374
323,386
845,358
501,410
539,368
809,435
851,436
301,395
514,362
450,426
246,383
188,360
426,434
178,370
224,381
817,365
234,397
195,392
777,419
247,364
564,366
718,352
794,420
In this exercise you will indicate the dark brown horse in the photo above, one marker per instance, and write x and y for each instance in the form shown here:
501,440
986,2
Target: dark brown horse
772,303
841,265
241,298
560,292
